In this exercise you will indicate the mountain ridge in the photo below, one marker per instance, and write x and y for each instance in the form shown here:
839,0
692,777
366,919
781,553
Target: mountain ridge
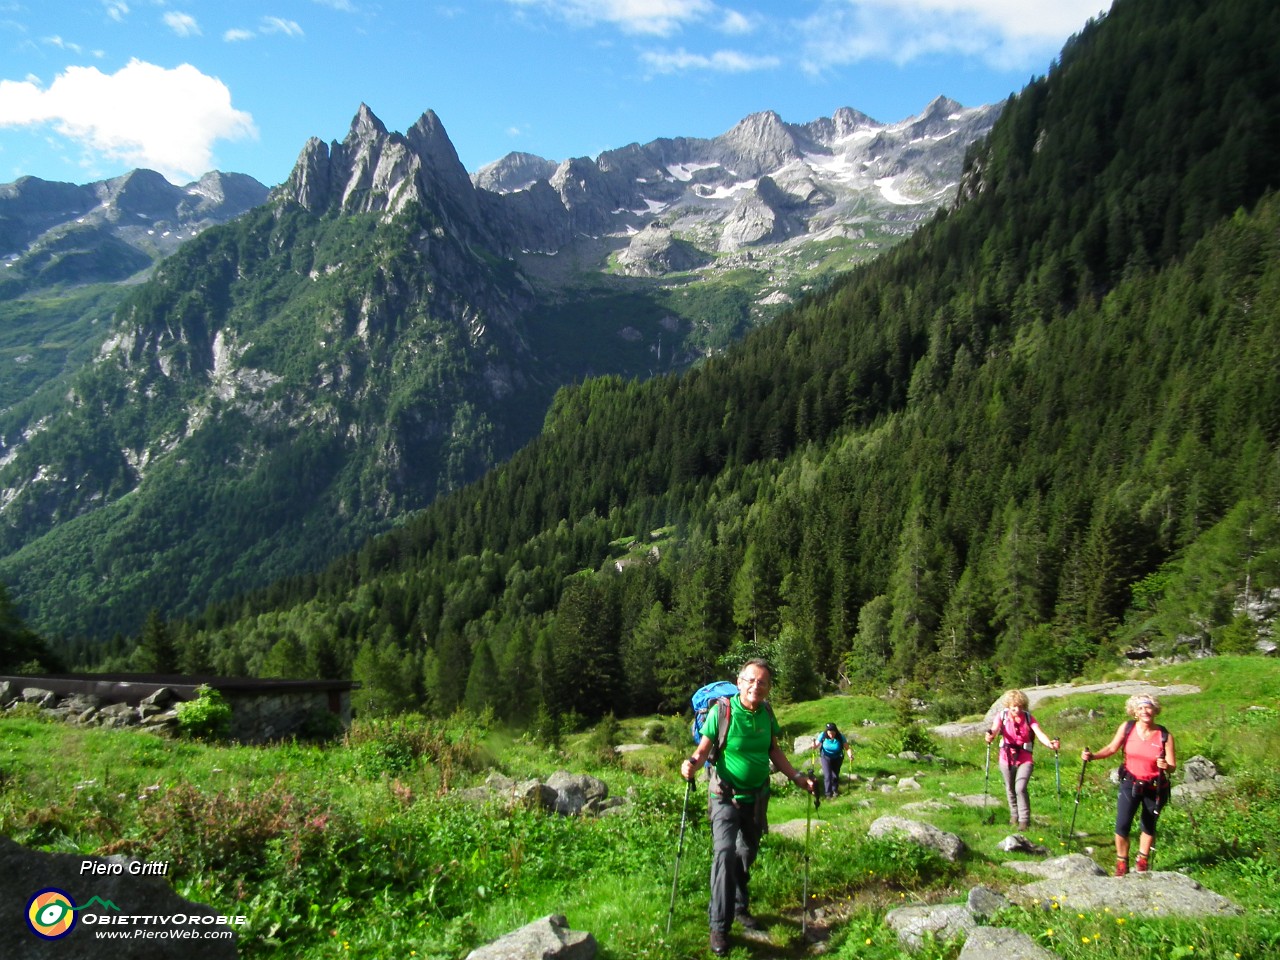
391,329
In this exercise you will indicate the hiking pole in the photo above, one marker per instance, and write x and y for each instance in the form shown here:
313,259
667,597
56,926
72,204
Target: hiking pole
986,779
1151,851
688,789
1057,781
1071,833
810,807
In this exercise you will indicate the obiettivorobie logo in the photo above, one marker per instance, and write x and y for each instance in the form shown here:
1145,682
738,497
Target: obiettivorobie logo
52,914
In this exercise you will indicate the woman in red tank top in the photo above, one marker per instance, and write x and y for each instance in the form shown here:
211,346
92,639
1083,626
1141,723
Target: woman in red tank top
1149,758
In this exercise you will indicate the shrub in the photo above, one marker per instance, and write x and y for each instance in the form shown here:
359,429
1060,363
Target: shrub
207,717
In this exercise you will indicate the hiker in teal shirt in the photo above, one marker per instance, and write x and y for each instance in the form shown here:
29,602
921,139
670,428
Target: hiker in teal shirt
739,795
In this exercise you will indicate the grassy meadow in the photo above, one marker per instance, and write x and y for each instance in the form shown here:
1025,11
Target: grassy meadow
361,849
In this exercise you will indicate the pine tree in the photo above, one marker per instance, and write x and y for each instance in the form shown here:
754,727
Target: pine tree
156,653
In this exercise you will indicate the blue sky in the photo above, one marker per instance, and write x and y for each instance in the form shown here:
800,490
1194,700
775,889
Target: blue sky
90,89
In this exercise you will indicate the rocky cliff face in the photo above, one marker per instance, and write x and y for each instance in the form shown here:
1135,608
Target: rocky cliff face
763,184
56,233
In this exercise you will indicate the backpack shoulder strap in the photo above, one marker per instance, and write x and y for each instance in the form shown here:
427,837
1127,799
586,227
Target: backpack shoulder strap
1128,732
724,707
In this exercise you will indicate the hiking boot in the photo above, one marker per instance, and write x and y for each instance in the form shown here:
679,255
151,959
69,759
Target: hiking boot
1142,864
719,942
747,920
1122,866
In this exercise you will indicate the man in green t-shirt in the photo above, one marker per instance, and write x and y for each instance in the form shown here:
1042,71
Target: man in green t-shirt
739,795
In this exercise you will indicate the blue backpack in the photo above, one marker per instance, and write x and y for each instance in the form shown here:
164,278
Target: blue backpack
721,692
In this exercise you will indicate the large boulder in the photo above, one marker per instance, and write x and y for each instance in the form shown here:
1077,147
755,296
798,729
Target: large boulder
948,845
1072,865
576,792
548,938
1001,943
1156,894
101,895
914,924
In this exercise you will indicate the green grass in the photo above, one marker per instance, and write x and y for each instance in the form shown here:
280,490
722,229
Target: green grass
361,850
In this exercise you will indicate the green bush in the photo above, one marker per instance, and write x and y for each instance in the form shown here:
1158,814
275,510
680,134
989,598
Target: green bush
207,717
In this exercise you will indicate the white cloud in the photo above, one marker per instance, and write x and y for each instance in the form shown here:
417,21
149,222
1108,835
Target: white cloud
183,24
116,9
61,44
656,17
738,23
1005,34
269,26
145,115
722,61
289,28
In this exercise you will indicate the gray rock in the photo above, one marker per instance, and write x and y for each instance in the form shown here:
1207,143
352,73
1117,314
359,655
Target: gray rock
1001,943
908,783
117,715
500,789
945,922
161,721
39,696
1073,865
1017,843
1156,894
574,791
655,251
1199,789
25,873
79,703
162,698
548,938
984,902
923,806
1198,768
794,829
948,845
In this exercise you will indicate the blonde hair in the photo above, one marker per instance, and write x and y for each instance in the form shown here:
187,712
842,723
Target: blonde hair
1016,698
1131,705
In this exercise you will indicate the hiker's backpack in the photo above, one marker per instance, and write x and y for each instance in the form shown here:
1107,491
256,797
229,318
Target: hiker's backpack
1009,746
721,692
1161,782
824,739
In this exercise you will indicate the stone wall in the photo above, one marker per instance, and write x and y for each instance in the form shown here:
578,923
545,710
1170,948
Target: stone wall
259,716
261,710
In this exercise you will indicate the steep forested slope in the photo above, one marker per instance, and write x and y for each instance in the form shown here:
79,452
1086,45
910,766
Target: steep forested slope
1045,426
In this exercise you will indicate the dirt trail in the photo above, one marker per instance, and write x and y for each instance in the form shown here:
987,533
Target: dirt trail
1035,695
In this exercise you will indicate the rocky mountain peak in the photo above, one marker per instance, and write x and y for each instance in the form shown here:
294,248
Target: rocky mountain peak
515,171
365,127
758,144
141,193
373,170
442,172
